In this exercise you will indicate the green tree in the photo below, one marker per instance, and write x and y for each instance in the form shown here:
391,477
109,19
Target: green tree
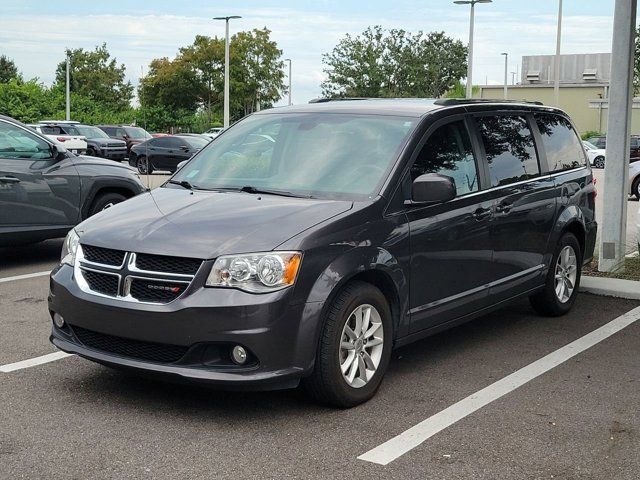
396,63
25,101
8,70
98,77
187,91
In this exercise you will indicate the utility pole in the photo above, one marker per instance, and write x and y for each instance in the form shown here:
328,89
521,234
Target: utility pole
472,3
613,231
68,89
556,69
506,72
289,60
226,66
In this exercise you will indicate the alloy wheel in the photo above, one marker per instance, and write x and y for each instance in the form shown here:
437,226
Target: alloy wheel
566,274
142,165
361,345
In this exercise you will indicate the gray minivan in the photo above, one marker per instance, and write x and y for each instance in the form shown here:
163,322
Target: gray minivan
354,228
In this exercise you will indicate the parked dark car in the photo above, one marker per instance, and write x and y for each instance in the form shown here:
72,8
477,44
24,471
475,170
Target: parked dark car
165,153
46,190
130,135
634,145
354,228
99,144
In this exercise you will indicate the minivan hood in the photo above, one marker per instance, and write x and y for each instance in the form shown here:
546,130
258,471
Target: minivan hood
200,224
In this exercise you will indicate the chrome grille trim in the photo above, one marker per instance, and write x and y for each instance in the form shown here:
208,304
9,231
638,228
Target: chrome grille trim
126,273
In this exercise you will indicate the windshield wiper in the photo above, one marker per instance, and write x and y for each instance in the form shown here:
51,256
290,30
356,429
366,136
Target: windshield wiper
266,191
184,184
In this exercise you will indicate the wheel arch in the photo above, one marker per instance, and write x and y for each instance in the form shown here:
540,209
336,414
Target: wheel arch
97,189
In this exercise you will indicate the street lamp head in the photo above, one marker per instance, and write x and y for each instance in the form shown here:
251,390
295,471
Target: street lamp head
504,53
230,17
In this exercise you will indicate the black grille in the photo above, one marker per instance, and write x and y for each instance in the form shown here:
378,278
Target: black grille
160,263
154,352
101,282
105,256
156,291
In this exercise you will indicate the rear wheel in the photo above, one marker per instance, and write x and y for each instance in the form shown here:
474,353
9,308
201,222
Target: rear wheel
563,279
105,201
354,349
144,166
598,162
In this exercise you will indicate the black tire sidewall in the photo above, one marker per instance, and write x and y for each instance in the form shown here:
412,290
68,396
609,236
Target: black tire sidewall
357,294
103,199
559,308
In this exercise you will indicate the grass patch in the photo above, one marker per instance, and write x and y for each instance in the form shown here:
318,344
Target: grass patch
631,270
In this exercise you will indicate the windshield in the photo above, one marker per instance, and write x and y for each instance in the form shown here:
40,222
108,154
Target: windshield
308,154
89,132
590,146
196,142
137,133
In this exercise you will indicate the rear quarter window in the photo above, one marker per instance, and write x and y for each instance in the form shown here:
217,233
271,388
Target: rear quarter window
561,143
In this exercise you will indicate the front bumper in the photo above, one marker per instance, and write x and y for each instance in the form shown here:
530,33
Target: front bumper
114,153
280,336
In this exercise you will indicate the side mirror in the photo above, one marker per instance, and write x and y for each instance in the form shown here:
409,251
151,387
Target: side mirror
181,164
58,152
432,188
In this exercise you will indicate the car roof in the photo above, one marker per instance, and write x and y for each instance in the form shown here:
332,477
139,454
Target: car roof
406,107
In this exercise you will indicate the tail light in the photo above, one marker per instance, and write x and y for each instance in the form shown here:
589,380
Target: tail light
62,139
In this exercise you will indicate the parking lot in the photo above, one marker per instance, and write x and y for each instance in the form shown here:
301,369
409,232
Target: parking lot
73,419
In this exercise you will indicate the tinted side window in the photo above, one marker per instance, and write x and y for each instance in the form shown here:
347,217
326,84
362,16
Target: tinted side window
119,132
560,142
173,142
510,148
52,130
18,143
448,152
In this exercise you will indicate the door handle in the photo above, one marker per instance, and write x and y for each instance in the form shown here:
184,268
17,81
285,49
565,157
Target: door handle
481,213
504,207
9,180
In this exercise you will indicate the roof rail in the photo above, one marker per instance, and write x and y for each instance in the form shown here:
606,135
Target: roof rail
471,101
336,99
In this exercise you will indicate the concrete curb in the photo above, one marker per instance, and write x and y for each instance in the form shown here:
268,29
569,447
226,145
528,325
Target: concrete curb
611,287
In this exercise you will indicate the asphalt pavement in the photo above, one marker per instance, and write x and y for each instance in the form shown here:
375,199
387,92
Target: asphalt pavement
71,418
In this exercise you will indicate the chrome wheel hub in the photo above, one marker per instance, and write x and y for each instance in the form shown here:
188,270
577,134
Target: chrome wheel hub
566,274
361,345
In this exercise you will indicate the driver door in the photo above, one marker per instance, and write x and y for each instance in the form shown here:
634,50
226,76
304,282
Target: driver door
35,189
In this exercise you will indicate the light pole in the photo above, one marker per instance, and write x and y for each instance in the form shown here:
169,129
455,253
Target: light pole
556,68
513,78
506,71
68,90
470,60
289,60
226,66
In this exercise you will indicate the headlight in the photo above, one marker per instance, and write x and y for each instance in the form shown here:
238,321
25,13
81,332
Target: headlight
256,272
69,248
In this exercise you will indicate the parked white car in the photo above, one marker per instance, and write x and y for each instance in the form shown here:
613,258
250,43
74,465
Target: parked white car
214,132
595,154
51,129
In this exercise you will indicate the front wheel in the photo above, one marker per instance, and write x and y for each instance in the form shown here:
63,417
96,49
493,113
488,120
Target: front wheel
105,201
354,348
144,165
563,279
599,162
636,188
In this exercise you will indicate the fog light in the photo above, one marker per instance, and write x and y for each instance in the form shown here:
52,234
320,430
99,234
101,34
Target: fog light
239,355
58,320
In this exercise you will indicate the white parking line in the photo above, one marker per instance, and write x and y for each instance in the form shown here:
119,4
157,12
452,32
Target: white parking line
32,362
25,276
411,438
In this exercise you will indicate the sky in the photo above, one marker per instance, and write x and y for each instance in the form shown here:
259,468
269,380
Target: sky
35,33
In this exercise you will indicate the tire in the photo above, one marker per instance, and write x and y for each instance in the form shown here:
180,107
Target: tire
327,384
143,166
547,302
635,188
599,162
104,201
91,152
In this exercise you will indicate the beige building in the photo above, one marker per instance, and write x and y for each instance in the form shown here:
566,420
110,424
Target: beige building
584,88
